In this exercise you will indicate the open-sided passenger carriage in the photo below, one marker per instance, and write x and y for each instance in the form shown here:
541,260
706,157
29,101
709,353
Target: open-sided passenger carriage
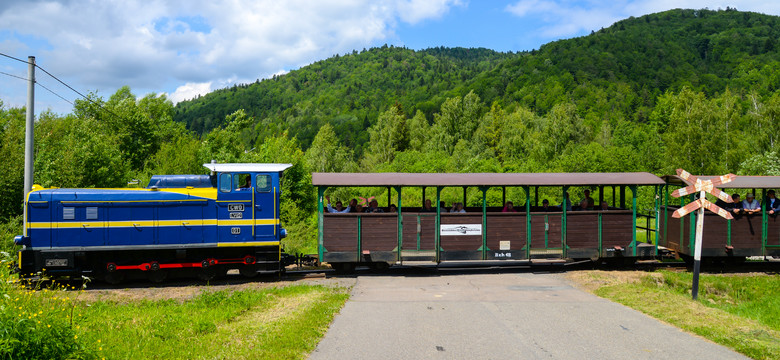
723,240
484,233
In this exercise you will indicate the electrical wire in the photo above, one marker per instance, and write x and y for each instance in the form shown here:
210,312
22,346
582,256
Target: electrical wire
63,83
55,94
12,75
11,57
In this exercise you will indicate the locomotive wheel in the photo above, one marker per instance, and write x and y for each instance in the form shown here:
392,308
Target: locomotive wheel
158,276
114,278
211,272
248,271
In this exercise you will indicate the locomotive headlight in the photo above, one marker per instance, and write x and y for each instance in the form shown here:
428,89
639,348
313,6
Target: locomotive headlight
282,233
20,240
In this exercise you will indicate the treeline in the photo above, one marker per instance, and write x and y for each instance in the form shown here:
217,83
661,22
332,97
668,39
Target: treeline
619,71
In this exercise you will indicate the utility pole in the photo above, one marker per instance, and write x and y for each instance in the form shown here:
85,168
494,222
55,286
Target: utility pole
28,133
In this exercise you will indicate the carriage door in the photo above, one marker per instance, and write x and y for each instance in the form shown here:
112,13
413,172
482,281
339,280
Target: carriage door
234,208
266,203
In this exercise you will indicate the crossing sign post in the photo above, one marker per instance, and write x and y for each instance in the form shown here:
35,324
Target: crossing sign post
702,187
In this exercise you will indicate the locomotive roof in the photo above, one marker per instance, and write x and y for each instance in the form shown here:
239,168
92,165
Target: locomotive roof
246,167
483,179
740,182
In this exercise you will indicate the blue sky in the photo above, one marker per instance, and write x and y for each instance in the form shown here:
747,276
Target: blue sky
184,48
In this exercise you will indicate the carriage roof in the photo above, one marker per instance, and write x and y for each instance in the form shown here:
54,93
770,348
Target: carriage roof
484,179
740,182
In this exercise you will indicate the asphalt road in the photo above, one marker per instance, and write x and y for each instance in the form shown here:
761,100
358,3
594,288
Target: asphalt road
498,316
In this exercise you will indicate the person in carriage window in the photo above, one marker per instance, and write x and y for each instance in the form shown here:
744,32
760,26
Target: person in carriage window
427,207
751,205
546,206
373,207
772,203
339,207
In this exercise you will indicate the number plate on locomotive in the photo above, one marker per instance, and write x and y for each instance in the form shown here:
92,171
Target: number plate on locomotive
56,262
236,215
235,207
235,231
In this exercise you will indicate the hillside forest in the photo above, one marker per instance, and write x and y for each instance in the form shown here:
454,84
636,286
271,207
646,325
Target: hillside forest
693,89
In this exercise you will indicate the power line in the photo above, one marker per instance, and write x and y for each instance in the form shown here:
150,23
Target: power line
58,95
63,83
12,75
11,57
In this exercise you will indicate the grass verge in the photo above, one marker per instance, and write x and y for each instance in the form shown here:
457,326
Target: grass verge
738,311
267,323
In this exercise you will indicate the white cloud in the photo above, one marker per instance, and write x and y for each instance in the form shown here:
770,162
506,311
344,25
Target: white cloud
157,45
569,17
190,91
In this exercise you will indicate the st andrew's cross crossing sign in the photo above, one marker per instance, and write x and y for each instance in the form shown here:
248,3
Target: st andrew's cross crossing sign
702,187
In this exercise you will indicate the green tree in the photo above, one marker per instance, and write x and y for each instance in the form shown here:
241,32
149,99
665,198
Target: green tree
388,136
12,123
458,119
327,154
692,139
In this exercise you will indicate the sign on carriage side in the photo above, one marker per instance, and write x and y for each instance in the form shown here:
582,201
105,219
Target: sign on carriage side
460,229
702,187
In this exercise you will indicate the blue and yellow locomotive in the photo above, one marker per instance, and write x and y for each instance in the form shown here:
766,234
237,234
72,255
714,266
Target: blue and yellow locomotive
201,225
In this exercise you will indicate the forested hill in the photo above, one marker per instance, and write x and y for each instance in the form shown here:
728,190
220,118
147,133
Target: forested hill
618,70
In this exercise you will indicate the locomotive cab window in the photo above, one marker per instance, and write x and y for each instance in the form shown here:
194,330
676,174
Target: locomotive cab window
242,182
263,183
225,184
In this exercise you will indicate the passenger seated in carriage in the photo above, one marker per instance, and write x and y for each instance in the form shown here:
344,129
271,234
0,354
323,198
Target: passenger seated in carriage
546,206
750,205
734,207
589,202
509,207
457,208
427,207
339,207
772,203
604,206
373,207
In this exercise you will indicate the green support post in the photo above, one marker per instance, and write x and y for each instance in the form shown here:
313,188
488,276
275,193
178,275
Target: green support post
764,222
528,219
564,227
484,223
400,223
320,227
658,191
419,220
633,205
438,224
666,214
359,238
728,232
600,234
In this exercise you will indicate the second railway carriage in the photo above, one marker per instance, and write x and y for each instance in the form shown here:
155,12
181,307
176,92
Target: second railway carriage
485,232
203,225
723,240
